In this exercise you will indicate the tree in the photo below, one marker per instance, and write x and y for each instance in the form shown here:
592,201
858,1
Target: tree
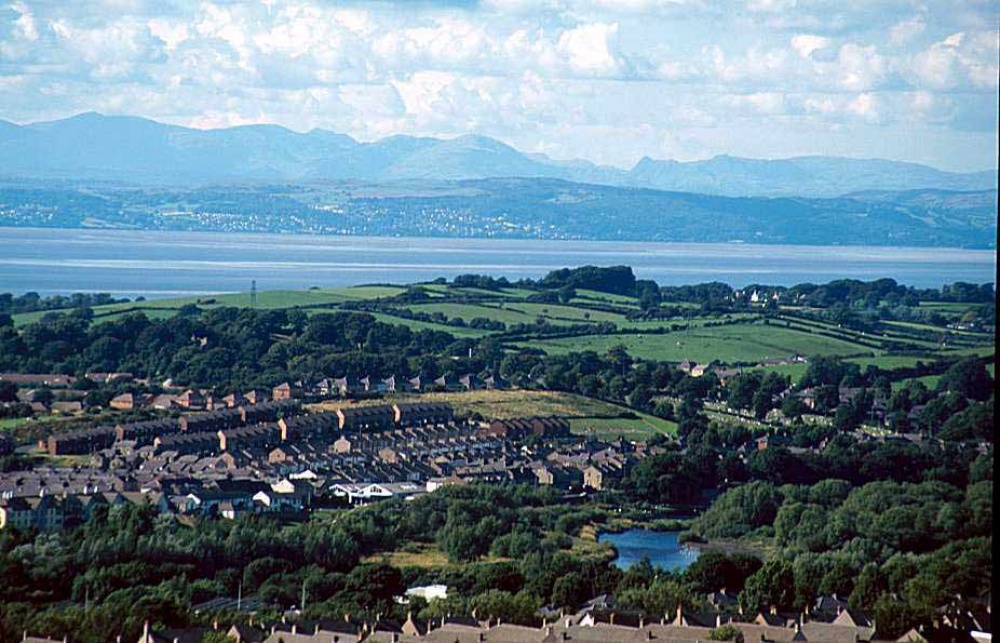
869,586
569,590
969,378
772,585
714,570
793,407
8,391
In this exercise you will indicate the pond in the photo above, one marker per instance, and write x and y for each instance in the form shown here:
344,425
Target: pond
661,547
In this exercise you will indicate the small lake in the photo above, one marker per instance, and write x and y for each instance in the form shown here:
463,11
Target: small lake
661,547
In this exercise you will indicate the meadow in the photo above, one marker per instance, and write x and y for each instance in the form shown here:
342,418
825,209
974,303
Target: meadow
745,338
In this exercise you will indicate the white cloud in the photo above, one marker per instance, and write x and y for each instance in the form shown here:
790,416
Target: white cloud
588,49
805,44
866,106
859,67
770,6
25,22
905,31
631,77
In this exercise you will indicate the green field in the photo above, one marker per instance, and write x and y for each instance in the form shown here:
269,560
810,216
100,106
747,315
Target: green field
457,331
887,362
12,423
267,299
747,341
793,371
742,343
637,429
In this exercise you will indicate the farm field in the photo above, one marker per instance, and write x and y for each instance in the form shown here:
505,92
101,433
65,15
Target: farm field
729,344
794,371
640,428
510,404
741,340
457,331
889,361
266,299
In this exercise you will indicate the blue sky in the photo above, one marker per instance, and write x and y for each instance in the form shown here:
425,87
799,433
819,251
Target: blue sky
606,80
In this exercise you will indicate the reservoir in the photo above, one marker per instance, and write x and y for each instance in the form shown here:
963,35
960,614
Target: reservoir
154,264
661,547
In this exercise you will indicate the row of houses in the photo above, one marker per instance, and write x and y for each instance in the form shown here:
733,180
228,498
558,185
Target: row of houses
591,623
348,386
221,498
84,441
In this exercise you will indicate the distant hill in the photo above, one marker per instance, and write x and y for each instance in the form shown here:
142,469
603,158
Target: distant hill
92,147
801,176
514,208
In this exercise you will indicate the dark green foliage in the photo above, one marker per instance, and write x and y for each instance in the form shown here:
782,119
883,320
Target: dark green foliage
968,378
614,279
714,570
773,585
974,423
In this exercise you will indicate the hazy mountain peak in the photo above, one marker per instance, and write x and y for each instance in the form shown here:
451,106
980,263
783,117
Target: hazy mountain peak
115,148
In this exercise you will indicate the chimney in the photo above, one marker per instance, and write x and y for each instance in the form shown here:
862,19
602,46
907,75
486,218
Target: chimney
295,629
718,620
774,610
316,632
680,614
347,617
611,619
215,625
649,635
642,622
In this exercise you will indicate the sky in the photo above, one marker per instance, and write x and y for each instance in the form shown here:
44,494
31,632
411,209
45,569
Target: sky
610,81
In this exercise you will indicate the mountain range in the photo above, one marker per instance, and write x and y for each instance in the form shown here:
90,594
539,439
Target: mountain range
132,150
